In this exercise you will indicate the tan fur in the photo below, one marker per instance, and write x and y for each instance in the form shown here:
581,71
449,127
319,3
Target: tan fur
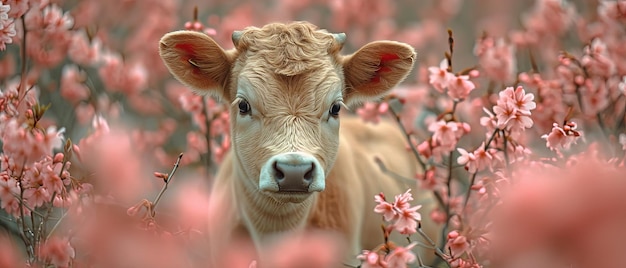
291,74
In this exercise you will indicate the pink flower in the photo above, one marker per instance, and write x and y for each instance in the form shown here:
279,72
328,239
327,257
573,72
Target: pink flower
36,197
404,216
57,251
439,77
513,108
18,7
384,207
54,20
457,244
468,159
460,87
8,188
401,256
7,31
82,52
524,102
371,112
84,113
622,140
402,200
407,219
496,58
371,259
120,76
561,138
444,133
72,87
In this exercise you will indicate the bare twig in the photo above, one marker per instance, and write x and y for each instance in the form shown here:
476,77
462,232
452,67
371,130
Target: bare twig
407,136
167,182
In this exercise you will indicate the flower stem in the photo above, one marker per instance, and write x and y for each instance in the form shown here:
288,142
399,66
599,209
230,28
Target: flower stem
167,182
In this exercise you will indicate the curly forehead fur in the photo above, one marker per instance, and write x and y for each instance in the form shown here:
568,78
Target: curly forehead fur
288,49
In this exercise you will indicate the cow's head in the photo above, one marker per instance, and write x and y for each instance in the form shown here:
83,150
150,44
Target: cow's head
285,84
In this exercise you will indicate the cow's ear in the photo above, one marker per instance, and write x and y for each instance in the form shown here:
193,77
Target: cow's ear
375,69
197,61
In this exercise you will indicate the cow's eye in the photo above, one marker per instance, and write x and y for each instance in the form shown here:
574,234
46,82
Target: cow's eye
334,110
244,107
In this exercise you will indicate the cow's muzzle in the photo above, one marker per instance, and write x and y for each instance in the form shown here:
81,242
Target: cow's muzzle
292,173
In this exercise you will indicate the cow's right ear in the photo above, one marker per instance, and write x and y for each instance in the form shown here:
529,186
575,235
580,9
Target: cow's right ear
197,61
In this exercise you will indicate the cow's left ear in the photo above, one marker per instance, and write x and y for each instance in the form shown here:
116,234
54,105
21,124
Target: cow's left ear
375,69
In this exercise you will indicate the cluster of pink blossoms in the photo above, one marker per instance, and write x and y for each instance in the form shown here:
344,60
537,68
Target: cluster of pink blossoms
404,218
7,26
444,139
399,257
459,86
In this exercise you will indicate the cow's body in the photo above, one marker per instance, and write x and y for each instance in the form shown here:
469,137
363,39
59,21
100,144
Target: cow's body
291,166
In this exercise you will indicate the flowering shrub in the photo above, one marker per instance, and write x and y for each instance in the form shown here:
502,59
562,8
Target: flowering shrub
519,130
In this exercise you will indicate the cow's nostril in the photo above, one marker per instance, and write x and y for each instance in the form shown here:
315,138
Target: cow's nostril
308,176
278,174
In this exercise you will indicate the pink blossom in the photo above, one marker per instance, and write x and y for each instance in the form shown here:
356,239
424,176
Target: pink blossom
403,216
468,159
444,132
51,179
27,147
401,256
522,101
371,259
402,200
8,188
457,244
622,140
439,77
561,137
57,251
385,208
505,112
84,113
54,20
513,109
496,58
36,197
460,87
7,28
84,52
120,76
18,7
371,112
407,218
72,87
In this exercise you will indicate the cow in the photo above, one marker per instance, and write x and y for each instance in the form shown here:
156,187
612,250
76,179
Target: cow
292,166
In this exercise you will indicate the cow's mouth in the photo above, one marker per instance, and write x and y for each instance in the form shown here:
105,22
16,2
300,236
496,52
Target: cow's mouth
290,197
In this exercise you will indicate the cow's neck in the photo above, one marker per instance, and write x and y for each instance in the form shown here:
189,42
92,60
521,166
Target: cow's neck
264,214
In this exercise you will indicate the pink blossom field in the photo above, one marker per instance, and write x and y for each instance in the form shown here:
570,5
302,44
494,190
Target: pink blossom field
515,110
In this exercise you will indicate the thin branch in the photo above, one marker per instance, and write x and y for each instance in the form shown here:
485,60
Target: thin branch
469,191
23,55
408,137
167,182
